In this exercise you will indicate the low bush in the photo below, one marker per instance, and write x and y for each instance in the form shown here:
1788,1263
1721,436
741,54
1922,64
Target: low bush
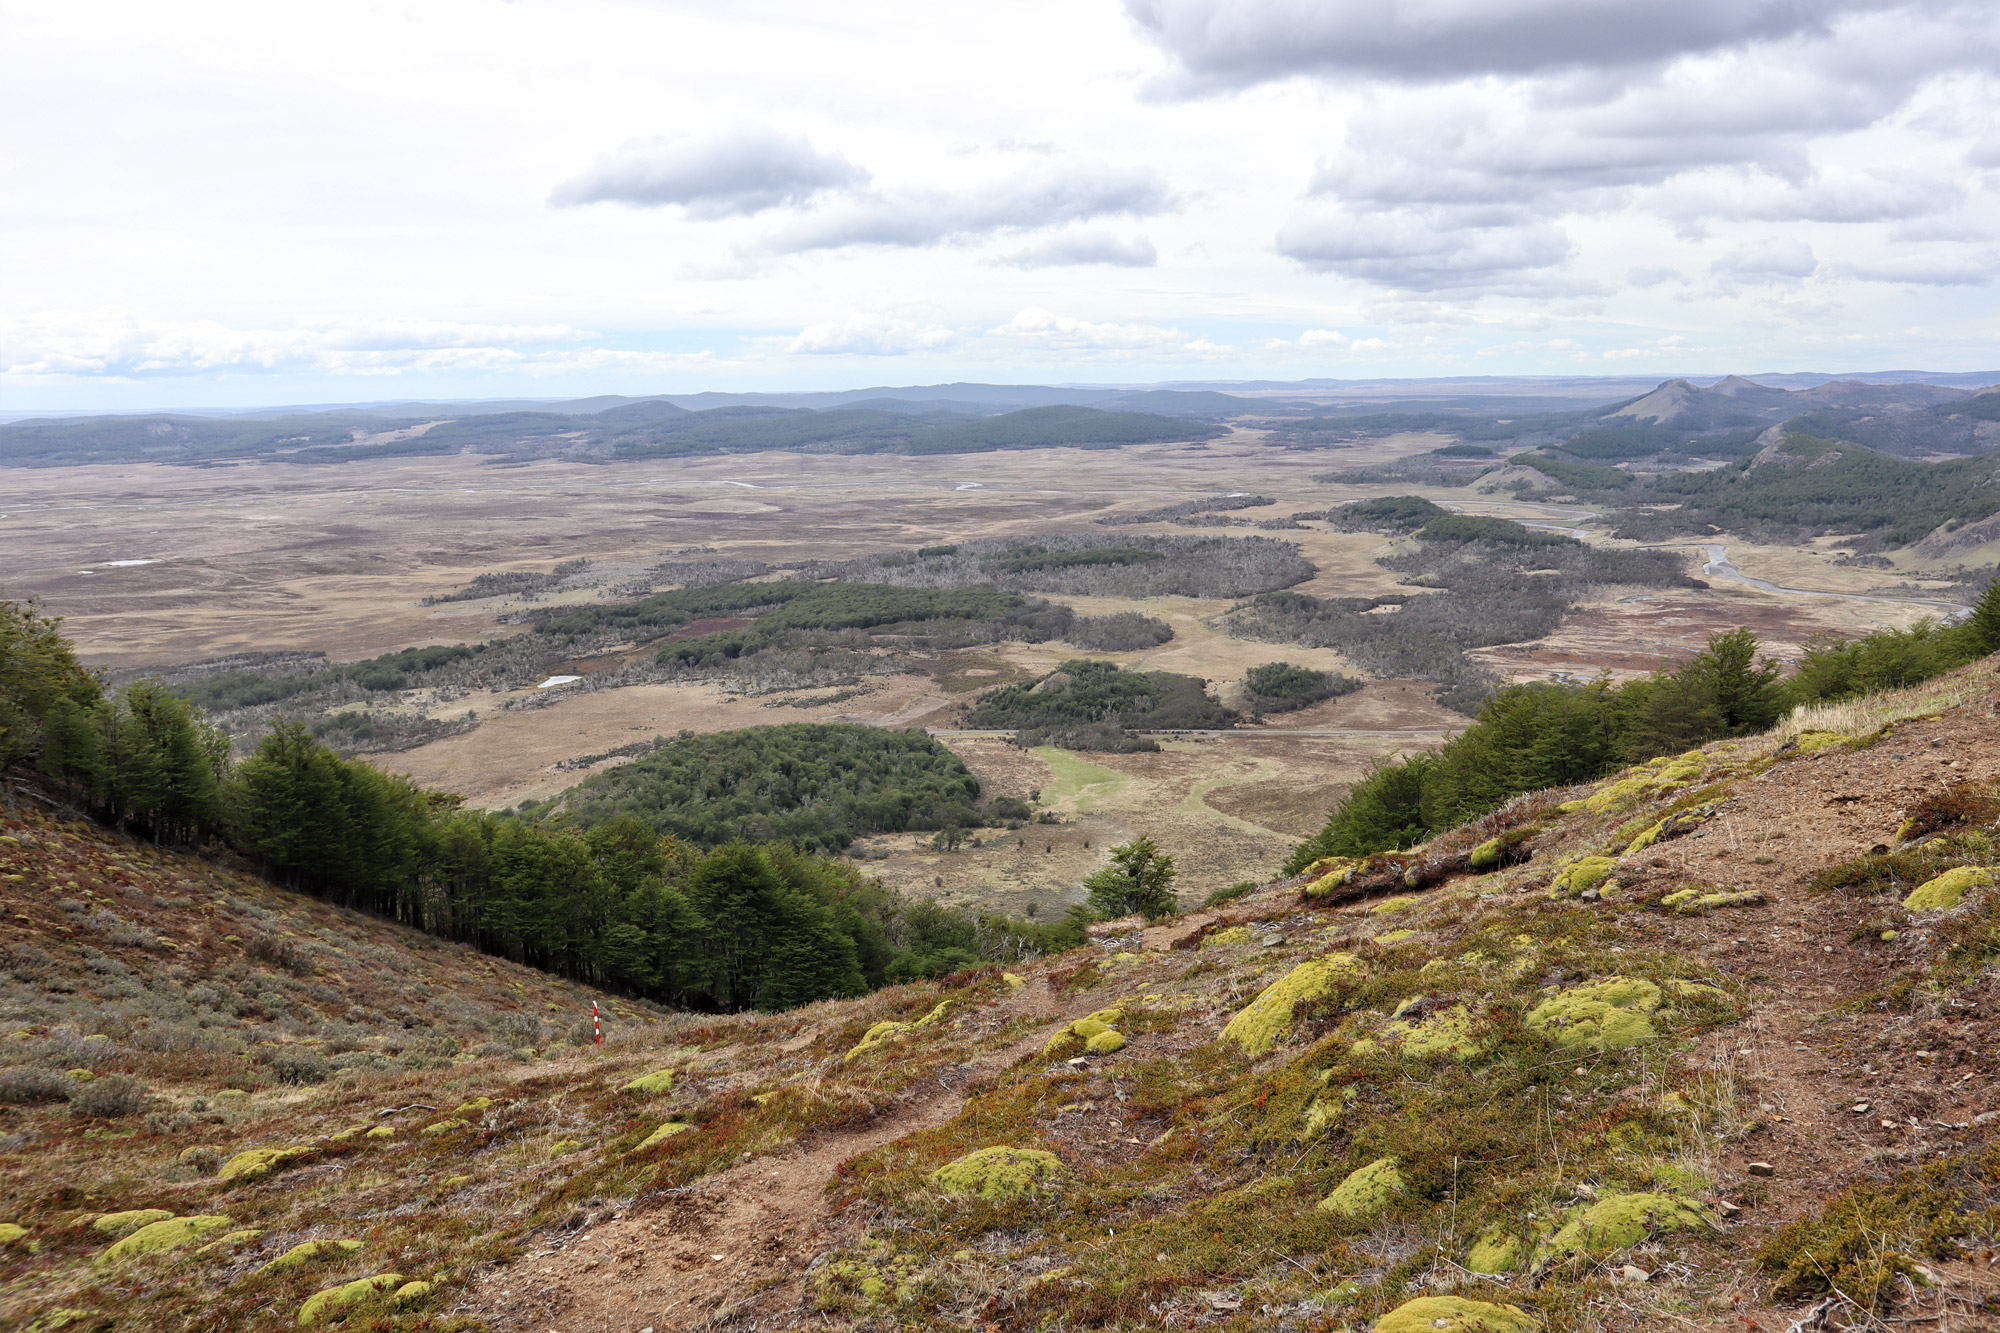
19,1086
109,1097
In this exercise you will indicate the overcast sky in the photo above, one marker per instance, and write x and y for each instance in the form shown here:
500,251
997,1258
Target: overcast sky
209,203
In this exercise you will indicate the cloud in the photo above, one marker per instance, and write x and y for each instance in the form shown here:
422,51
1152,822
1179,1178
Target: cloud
1085,247
118,345
1423,250
1771,260
1045,329
1228,44
869,335
1949,268
1046,195
745,170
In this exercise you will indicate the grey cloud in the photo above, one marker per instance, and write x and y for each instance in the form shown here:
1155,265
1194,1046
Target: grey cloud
1086,247
1413,251
1220,44
1930,269
746,170
1050,195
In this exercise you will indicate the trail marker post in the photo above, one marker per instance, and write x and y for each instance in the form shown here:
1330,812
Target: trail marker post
596,1024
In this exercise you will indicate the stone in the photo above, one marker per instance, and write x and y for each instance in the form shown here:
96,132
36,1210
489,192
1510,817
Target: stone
1633,1273
1761,1169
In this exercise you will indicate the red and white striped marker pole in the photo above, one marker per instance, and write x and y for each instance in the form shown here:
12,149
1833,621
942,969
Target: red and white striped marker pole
596,1024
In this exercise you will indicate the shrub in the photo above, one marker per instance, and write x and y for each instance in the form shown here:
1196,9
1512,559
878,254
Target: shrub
1280,687
299,1064
1125,632
109,1097
20,1086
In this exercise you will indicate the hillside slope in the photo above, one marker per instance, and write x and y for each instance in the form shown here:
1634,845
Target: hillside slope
1671,1050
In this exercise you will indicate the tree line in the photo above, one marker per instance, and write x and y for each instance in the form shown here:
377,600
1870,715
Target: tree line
1529,737
616,904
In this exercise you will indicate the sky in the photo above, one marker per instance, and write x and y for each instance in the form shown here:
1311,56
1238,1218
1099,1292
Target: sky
213,203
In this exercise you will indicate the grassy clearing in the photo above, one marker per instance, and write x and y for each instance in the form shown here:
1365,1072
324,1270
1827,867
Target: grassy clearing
1088,786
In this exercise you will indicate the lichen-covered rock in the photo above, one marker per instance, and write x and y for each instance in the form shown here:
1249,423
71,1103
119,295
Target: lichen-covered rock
1367,1191
1587,873
324,1305
1105,1042
256,1163
1447,1032
662,1134
231,1241
168,1235
412,1293
875,1037
1487,855
1692,902
1455,1314
115,1225
1497,1250
1257,1028
651,1085
999,1173
1607,1015
310,1252
1328,874
1623,1220
1947,889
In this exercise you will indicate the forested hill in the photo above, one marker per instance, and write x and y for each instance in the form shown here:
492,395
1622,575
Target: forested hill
640,430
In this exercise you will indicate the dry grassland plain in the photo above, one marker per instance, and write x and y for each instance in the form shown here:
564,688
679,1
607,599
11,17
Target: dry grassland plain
338,559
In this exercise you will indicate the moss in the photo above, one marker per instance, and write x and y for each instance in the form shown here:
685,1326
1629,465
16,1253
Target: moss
256,1163
1619,793
1646,839
1622,1221
412,1293
382,1132
1488,855
311,1252
444,1126
1330,874
999,1173
167,1235
1447,1032
1257,1028
1947,889
1455,1314
1602,1015
115,1225
1810,741
455,1182
473,1107
563,1146
1393,936
651,1085
1587,873
324,1305
10,1232
231,1241
1395,904
1222,939
1089,1027
1013,980
1367,1191
1105,1042
876,1037
662,1134
1497,1250
935,1016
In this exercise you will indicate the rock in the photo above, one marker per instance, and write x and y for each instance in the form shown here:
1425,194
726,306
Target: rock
1000,1173
324,1305
1590,896
170,1234
1455,1314
1728,1209
116,1225
1761,1169
1258,1026
1367,1191
1986,1117
1633,1273
1859,1108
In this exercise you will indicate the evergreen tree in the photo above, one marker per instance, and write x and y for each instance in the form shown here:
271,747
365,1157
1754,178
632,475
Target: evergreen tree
1139,879
1982,628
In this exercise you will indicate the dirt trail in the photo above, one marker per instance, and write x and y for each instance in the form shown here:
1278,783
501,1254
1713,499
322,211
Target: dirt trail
734,1234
